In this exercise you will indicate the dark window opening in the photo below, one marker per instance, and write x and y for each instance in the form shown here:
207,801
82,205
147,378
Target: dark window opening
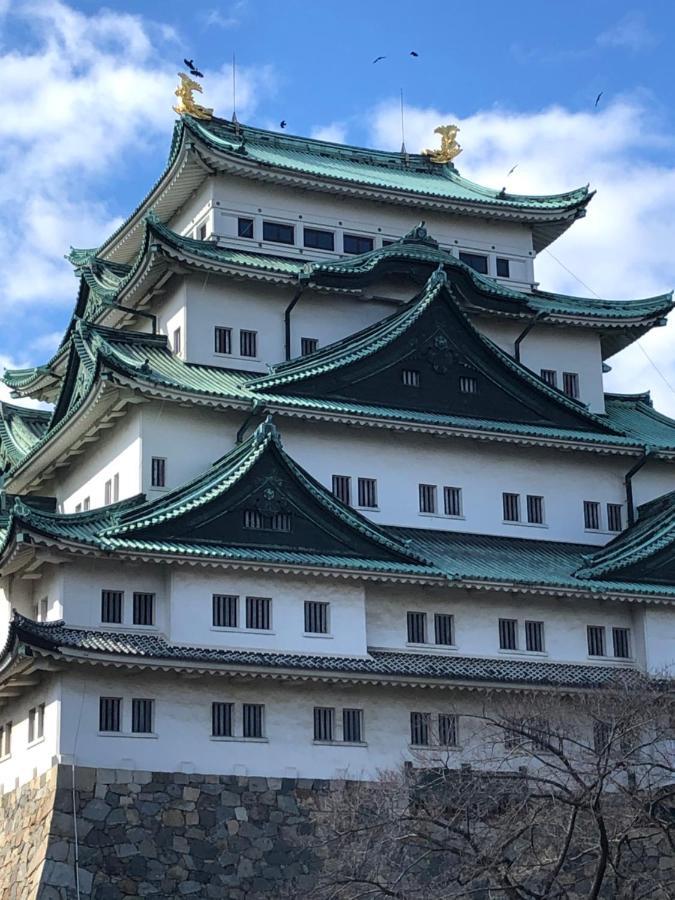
596,640
225,611
316,239
278,233
356,243
109,716
316,617
342,488
142,716
508,634
534,637
245,228
621,642
324,723
535,510
417,628
452,499
111,607
477,261
248,343
367,493
308,345
258,613
511,505
443,629
158,472
427,494
258,521
221,719
222,339
144,609
591,515
550,376
571,384
447,730
410,378
253,720
614,517
352,726
468,384
503,268
420,729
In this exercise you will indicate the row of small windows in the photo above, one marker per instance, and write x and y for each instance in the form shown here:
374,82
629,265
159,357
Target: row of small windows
466,384
143,608
366,491
248,341
479,262
312,238
570,381
111,494
36,730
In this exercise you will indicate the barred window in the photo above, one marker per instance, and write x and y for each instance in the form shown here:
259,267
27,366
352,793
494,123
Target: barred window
503,267
86,504
225,610
253,519
468,384
158,472
32,719
222,338
550,376
278,232
621,642
253,720
417,628
447,730
177,342
201,232
452,501
427,494
591,515
324,723
352,726
420,729
342,488
107,492
571,384
43,609
308,345
258,613
317,239
534,636
511,504
316,617
602,736
258,521
280,521
356,243
144,608
367,493
248,343
109,715
535,510
245,228
410,378
596,640
614,517
508,634
116,487
142,716
221,719
477,261
443,629
111,606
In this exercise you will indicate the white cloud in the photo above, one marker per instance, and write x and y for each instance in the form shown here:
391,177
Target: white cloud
336,132
631,32
623,248
231,18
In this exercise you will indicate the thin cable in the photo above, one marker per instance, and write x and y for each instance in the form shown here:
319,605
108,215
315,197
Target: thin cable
403,150
637,342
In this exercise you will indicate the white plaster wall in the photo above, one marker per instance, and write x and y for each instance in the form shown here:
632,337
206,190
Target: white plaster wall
117,451
197,210
26,761
171,313
191,611
563,349
659,638
476,622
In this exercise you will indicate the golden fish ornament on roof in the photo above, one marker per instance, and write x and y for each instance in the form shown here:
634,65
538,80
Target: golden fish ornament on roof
449,147
186,103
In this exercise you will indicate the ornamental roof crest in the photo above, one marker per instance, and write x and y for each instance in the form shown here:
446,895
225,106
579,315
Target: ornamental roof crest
187,106
449,148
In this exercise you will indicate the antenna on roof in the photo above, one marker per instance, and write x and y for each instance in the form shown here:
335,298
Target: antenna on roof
235,122
404,152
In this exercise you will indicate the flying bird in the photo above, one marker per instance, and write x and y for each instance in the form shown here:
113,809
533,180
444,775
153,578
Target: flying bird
377,59
597,99
190,63
414,53
512,170
283,123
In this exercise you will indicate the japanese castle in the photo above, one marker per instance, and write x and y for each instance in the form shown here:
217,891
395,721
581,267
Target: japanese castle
323,471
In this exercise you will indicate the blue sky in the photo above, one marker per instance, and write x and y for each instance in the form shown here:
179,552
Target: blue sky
85,124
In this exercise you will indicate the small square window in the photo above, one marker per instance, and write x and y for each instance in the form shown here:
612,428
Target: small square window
417,628
324,723
158,472
308,345
222,719
201,232
225,610
144,608
508,634
503,267
550,376
443,629
248,343
177,342
591,515
621,642
111,607
596,640
245,228
452,501
352,726
477,261
447,730
534,637
316,617
316,239
571,384
614,522
222,340
410,378
511,507
258,613
109,717
356,243
420,729
535,510
342,488
468,384
367,490
253,714
602,736
427,497
142,715
278,233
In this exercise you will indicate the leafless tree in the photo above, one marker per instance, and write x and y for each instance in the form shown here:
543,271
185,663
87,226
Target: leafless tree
566,797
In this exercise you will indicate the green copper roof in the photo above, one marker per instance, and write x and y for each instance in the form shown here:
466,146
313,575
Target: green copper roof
20,429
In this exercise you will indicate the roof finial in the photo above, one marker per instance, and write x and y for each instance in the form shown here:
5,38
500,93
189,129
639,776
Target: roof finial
404,152
265,430
186,102
235,121
449,147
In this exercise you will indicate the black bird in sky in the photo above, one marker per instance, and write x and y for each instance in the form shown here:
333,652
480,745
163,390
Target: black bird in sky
597,99
414,53
190,63
377,59
511,170
283,123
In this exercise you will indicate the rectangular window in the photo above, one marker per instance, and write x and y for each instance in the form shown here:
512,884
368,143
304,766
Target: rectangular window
32,716
222,339
86,504
176,341
248,343
43,609
225,610
367,493
278,233
614,517
316,239
316,617
447,730
144,608
258,613
308,345
142,716
550,376
410,378
109,715
621,642
158,472
535,510
342,488
591,515
111,607
417,628
511,504
503,267
596,640
116,487
8,739
245,228
78,507
602,736
571,384
221,719
40,724
427,494
201,232
352,726
477,261
452,501
508,634
356,243
420,729
468,385
107,492
324,723
443,629
253,720
534,637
